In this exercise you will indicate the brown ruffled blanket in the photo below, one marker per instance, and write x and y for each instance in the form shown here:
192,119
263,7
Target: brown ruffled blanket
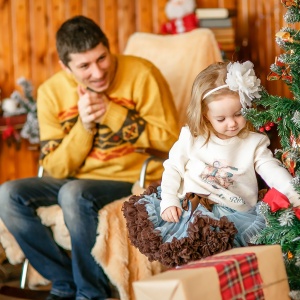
205,236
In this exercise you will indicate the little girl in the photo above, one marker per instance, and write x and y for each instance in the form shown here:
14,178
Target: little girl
207,200
218,155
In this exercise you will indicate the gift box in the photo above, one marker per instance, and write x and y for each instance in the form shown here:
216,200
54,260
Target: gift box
247,273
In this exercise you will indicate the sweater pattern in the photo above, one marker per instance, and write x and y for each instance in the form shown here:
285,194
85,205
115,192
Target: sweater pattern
107,144
220,176
217,174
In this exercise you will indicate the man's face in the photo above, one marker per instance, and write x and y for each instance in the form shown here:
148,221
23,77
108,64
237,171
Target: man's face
93,69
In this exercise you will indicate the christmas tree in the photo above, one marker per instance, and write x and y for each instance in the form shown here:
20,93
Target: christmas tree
30,130
283,220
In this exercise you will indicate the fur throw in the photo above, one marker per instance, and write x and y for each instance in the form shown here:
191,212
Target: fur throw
122,262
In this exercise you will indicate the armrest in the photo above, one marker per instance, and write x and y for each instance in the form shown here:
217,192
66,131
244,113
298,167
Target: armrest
40,171
155,155
153,152
143,172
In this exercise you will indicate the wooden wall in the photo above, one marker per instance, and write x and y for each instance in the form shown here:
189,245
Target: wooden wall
27,44
28,31
258,22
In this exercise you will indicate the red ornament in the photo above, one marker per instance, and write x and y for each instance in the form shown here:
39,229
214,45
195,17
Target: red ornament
276,200
268,127
288,78
279,63
262,129
273,76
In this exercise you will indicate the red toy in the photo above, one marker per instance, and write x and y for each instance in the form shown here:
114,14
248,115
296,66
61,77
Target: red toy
181,15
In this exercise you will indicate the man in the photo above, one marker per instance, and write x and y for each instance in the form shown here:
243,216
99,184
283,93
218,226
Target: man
92,116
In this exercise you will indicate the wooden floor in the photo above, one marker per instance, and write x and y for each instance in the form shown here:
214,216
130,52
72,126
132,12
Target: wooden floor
9,276
10,285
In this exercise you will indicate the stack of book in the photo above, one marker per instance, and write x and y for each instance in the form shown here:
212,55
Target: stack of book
219,21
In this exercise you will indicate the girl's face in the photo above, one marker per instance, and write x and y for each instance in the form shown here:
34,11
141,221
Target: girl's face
224,114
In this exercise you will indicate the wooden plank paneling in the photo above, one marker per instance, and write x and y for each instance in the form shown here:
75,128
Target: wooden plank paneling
144,16
21,39
7,162
159,16
242,32
39,41
109,22
17,163
207,3
126,21
231,4
91,8
27,40
28,156
73,8
29,49
6,50
56,16
265,18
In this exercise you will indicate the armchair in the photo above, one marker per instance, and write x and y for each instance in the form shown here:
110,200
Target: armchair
180,58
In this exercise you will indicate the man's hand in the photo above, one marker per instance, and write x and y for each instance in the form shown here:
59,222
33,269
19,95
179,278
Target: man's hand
91,107
171,214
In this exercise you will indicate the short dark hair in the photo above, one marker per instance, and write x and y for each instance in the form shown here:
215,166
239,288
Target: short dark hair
78,34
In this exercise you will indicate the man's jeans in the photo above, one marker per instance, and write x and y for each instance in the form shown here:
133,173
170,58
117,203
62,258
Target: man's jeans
80,201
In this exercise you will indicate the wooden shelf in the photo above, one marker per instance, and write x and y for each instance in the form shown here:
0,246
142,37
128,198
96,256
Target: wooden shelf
16,121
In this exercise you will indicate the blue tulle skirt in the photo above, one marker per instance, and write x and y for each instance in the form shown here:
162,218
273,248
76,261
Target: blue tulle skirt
248,224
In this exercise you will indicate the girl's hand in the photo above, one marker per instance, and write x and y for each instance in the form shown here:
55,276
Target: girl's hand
171,214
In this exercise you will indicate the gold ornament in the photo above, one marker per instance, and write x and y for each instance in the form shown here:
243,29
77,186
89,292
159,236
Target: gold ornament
290,255
286,37
289,3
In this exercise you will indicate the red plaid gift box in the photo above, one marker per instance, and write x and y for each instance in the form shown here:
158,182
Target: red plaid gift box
239,277
249,273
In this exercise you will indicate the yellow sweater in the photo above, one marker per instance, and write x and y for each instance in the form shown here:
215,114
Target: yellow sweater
141,113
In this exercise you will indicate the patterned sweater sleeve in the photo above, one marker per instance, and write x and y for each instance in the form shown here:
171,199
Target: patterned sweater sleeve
62,153
152,123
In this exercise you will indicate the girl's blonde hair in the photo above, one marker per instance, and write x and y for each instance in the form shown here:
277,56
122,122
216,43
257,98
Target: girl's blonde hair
208,79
